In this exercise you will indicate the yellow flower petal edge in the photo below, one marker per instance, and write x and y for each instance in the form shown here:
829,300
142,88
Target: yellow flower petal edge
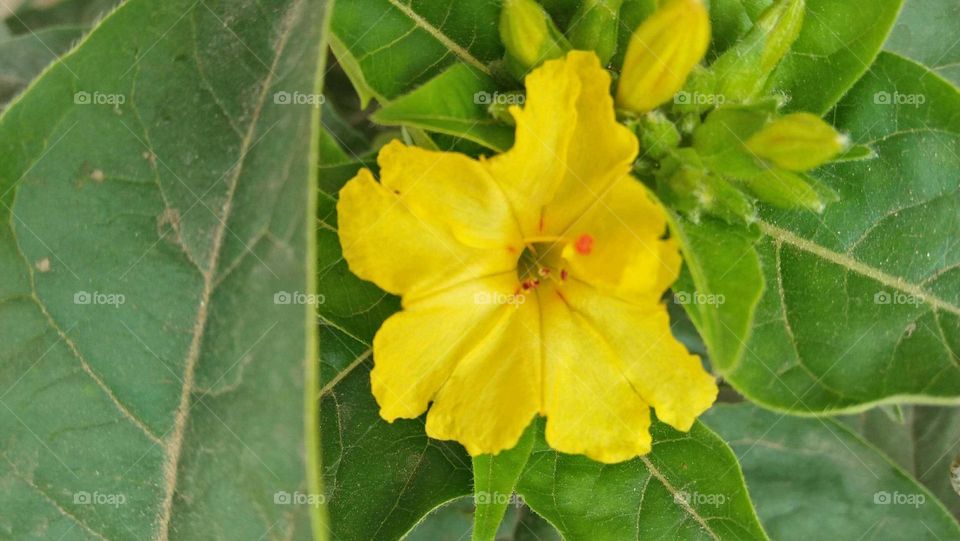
531,282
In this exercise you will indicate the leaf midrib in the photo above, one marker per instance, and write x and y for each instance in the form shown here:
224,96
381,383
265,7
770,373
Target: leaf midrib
446,40
851,264
174,446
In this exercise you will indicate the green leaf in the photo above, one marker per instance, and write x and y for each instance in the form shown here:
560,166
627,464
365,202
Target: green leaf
389,47
688,487
837,45
453,522
730,20
382,478
155,200
23,58
927,32
863,302
495,478
454,103
924,441
35,16
815,477
720,285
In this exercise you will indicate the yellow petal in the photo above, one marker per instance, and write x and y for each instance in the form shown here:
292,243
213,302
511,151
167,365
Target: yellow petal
494,392
569,147
417,349
626,254
452,191
386,243
658,366
590,405
662,53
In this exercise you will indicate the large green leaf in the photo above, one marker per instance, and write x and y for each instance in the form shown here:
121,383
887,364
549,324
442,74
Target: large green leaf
720,285
863,302
688,487
388,47
23,58
837,44
382,478
34,16
495,478
155,200
923,440
453,522
927,32
816,479
454,103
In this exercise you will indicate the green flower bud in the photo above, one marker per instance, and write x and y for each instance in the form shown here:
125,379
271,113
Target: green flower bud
658,135
529,34
693,190
786,189
743,70
798,142
595,27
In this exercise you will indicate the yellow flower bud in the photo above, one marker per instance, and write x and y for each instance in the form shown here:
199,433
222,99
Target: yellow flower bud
525,29
798,142
662,53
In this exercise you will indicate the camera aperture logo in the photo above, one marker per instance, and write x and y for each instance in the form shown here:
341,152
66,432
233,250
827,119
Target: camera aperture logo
298,498
697,98
98,98
498,498
499,98
886,98
897,297
696,297
96,298
896,498
97,498
695,498
298,298
298,98
498,298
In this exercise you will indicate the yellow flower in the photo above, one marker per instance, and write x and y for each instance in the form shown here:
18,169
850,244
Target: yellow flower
662,53
531,282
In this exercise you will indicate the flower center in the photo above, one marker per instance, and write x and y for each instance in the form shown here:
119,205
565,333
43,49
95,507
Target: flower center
542,259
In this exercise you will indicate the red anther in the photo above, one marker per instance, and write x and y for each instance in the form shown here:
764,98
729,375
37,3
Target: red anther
563,274
544,271
584,244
